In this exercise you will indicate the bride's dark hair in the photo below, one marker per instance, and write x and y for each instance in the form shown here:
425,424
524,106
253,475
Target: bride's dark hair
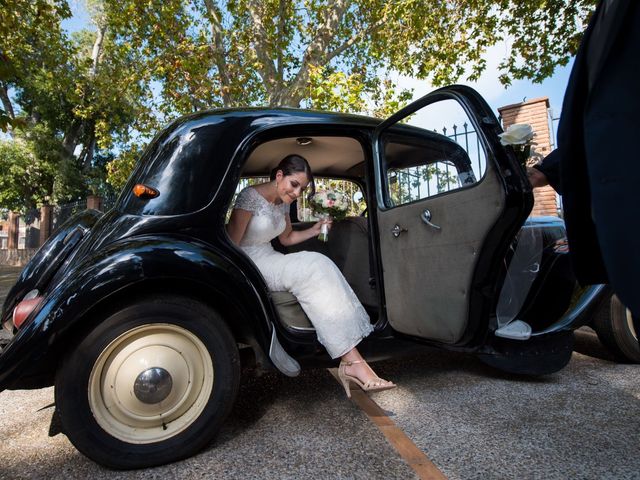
295,164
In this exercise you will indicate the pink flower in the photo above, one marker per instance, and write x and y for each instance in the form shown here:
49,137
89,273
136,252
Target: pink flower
330,203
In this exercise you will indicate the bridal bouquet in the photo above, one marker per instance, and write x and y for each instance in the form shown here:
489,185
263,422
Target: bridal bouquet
519,136
329,203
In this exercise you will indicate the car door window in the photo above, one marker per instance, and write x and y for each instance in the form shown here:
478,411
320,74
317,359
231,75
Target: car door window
438,159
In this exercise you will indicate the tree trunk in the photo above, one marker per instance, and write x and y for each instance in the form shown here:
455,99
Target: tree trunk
317,54
218,52
97,49
261,45
86,127
6,101
86,157
71,136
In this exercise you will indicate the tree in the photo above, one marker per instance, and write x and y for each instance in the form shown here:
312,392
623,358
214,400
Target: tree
29,40
335,54
25,180
65,86
208,53
119,169
148,61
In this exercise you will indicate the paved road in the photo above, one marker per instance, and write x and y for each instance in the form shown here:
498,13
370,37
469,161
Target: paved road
471,421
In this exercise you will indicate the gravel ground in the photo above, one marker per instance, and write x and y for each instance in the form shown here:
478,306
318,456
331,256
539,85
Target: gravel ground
469,419
474,423
281,428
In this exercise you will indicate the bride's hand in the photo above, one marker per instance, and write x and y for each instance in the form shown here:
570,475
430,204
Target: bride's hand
318,225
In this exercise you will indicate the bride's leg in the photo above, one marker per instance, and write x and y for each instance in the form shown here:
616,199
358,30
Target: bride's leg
361,370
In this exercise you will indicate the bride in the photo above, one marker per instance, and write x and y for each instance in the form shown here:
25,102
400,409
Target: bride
260,214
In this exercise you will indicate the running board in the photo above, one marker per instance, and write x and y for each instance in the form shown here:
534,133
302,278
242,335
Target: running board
515,330
281,359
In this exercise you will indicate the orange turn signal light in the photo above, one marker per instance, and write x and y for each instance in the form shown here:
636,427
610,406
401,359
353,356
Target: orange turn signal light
144,192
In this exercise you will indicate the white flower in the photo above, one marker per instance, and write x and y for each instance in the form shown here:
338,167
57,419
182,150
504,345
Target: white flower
330,201
517,134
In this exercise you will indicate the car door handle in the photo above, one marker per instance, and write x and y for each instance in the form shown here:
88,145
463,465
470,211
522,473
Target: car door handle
426,218
397,230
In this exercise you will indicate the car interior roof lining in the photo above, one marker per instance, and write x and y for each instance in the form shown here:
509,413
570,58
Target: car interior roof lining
327,155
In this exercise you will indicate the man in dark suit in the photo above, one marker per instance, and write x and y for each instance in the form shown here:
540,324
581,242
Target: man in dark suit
596,167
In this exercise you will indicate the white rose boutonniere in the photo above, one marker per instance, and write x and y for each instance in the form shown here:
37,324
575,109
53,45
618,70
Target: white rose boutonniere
519,136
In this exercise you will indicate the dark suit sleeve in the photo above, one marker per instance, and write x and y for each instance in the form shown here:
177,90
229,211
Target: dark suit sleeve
550,166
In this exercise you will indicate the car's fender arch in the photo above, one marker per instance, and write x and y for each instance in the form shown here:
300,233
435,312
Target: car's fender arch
43,266
135,266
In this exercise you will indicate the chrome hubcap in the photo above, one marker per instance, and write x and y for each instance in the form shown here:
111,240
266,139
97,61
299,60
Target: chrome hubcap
150,383
153,385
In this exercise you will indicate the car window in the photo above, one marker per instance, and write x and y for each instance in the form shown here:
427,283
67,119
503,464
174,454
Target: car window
242,184
423,162
355,196
357,204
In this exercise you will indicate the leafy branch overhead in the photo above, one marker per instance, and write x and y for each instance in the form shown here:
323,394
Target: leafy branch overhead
213,53
141,63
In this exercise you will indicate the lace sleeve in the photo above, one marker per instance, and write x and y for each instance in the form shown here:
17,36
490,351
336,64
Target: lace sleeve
246,200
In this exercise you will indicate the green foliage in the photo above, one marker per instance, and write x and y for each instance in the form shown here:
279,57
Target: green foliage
275,52
35,170
118,170
143,63
336,91
25,181
95,178
76,97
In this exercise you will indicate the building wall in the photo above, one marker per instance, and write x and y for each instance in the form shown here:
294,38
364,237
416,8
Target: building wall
535,113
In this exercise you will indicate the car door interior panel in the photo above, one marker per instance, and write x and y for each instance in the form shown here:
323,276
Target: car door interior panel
417,262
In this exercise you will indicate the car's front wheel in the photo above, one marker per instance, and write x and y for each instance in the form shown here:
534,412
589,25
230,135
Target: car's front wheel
151,384
614,326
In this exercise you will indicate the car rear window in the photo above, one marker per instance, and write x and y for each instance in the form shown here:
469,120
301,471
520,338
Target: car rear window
185,164
303,212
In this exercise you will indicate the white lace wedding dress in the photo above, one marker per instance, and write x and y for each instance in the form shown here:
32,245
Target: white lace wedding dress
337,315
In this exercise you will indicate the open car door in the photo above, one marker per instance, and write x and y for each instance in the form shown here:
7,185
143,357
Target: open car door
448,207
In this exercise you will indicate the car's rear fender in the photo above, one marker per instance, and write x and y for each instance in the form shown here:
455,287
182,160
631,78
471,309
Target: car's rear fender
118,275
581,311
548,350
41,268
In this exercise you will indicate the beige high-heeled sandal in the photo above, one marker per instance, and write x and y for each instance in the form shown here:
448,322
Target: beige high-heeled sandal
376,384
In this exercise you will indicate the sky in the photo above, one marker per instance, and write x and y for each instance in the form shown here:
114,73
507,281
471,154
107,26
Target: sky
435,117
553,87
496,95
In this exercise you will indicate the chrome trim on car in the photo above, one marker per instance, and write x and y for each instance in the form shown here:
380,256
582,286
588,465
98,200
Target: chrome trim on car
31,294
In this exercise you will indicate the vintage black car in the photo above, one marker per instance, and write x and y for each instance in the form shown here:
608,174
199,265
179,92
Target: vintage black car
140,317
